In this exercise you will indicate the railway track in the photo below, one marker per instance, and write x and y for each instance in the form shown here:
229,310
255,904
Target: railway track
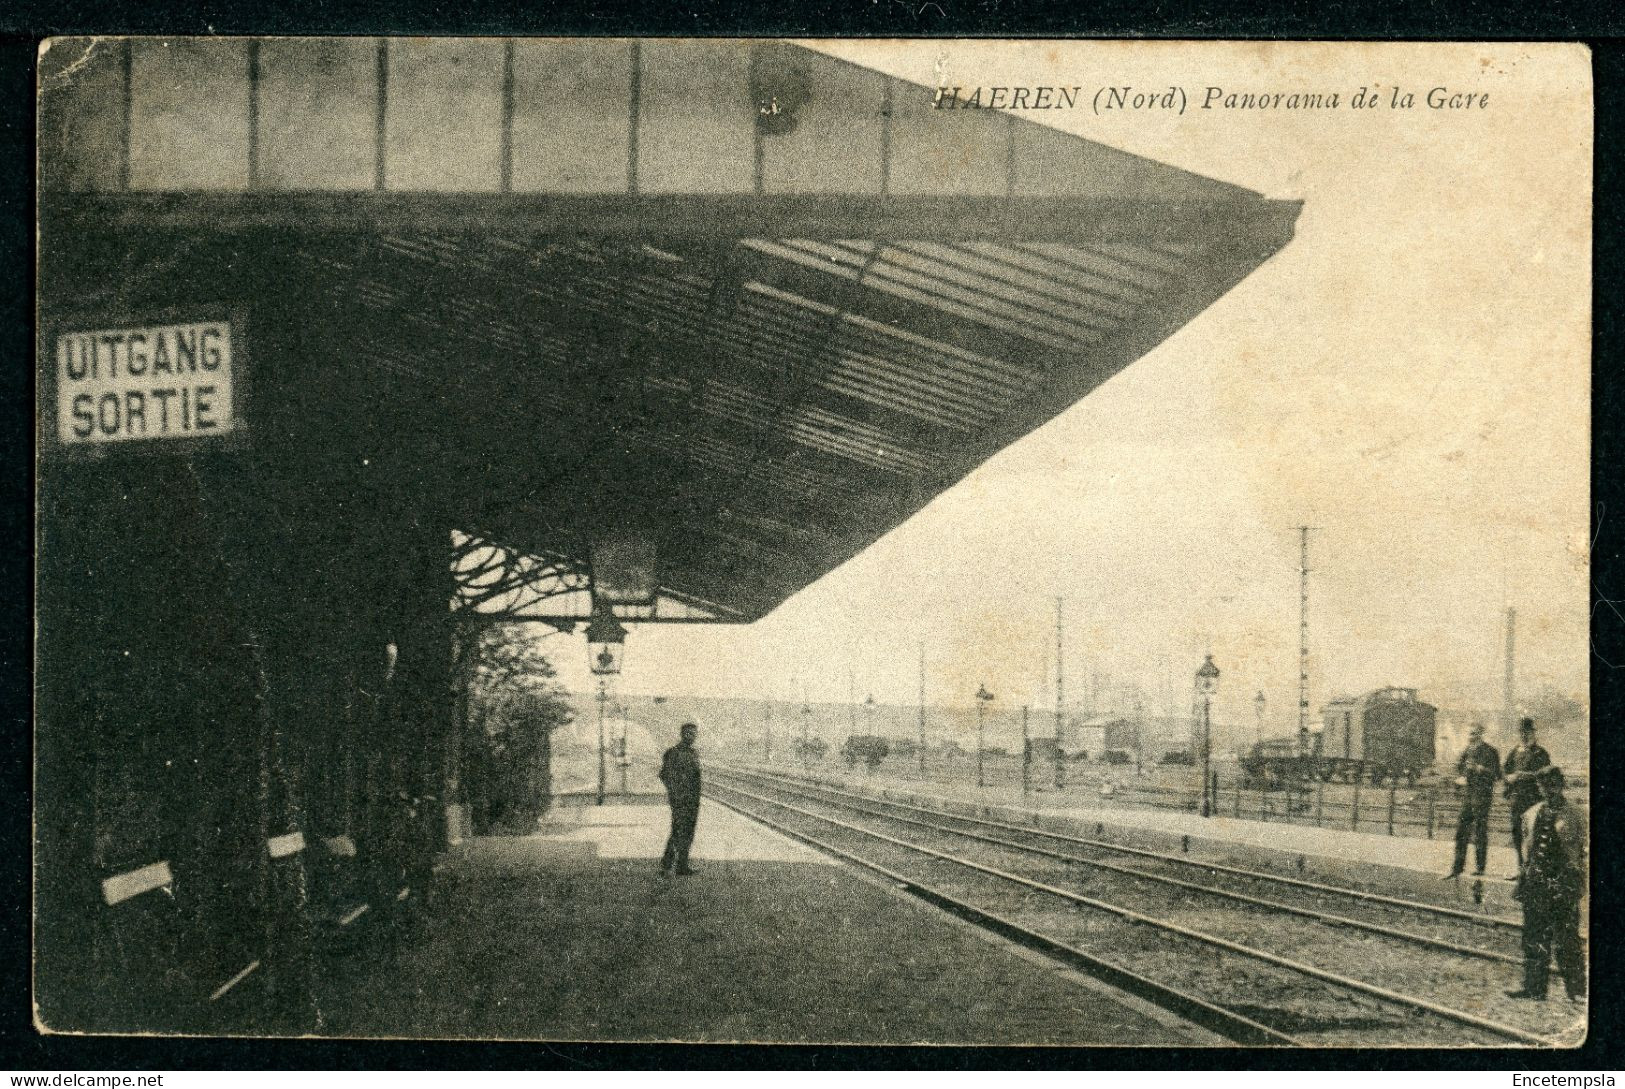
1279,970
1475,934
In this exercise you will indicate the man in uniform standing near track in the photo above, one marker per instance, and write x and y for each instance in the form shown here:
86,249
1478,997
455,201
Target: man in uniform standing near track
1550,884
1476,773
1522,792
680,771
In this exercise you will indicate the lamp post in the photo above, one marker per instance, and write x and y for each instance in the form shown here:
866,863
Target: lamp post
983,697
1207,686
1258,705
606,643
869,714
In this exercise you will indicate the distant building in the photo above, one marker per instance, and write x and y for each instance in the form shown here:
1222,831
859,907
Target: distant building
1090,738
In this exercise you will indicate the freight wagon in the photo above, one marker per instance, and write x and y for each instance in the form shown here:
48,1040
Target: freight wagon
1386,736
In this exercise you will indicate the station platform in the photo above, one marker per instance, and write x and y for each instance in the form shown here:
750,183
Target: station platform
573,934
1402,865
1429,856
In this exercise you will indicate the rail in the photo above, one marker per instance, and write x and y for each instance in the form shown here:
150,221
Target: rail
1334,979
851,800
1198,1011
1318,887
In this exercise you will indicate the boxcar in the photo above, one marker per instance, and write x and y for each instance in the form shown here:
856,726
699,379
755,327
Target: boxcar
1385,735
1388,734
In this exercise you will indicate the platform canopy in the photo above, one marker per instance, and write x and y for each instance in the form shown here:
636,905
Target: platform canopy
742,302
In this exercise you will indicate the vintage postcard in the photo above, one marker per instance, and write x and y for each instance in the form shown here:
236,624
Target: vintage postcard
888,542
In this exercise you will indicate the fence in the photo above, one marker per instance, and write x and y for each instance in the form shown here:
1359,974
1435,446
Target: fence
1429,809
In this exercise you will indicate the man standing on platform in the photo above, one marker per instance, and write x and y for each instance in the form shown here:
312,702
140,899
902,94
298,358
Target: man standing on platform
680,771
1476,773
1522,792
1550,884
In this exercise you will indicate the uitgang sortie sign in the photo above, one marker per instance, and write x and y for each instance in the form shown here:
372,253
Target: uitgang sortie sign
149,382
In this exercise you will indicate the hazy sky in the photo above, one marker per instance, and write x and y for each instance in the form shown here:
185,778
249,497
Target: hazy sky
1411,374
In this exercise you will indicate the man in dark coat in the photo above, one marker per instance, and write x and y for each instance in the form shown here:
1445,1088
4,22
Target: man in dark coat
1522,792
1550,884
1476,773
680,771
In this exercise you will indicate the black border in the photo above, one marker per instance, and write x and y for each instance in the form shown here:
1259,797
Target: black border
1495,20
24,22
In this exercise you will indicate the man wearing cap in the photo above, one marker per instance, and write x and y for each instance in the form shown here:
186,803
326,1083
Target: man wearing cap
1522,792
1476,773
1550,884
680,771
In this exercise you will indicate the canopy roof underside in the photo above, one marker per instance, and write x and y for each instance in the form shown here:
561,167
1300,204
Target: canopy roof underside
762,384
764,408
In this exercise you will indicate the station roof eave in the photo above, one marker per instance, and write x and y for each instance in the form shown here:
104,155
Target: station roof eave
763,381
